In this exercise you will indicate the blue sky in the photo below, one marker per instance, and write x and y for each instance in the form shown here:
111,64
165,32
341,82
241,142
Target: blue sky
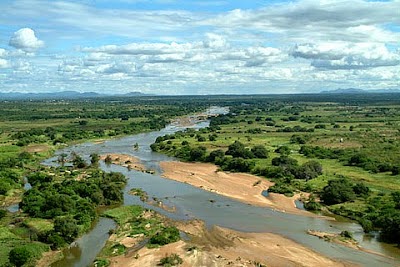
198,47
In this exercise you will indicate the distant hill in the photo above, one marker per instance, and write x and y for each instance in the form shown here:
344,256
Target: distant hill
359,91
63,95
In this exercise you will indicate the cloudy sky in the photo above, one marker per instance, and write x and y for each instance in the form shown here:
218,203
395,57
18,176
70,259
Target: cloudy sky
198,46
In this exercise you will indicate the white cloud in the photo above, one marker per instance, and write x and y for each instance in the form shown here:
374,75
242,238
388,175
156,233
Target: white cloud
214,41
25,40
117,68
343,44
141,49
341,55
4,63
305,20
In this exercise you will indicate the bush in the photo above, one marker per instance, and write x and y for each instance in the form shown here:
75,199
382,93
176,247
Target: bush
260,152
346,234
311,204
281,188
237,165
361,189
66,227
284,161
198,154
165,236
238,150
214,155
338,191
309,170
3,213
283,150
171,260
19,256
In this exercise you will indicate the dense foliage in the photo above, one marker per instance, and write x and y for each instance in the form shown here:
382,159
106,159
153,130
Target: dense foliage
70,203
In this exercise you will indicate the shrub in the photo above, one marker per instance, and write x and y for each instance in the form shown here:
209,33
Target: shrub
311,204
238,150
171,260
283,150
361,189
338,191
260,152
19,256
216,154
198,154
165,236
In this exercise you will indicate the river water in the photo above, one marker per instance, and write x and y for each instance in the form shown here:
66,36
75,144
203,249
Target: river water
191,202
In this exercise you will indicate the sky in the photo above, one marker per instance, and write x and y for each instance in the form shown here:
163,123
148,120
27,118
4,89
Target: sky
183,47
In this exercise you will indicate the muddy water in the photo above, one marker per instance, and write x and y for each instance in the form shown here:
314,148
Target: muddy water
191,202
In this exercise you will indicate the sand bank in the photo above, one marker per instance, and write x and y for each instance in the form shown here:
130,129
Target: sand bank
243,187
124,160
223,247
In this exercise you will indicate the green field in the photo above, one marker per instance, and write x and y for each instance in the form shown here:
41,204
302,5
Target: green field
356,143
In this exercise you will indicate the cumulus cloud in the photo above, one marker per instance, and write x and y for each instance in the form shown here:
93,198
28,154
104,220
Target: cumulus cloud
316,20
339,44
214,41
117,68
25,40
346,55
3,63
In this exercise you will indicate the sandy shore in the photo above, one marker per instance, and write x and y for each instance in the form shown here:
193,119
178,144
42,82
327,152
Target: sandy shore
127,161
243,187
223,247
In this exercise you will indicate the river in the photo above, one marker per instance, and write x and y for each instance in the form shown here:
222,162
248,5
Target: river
191,202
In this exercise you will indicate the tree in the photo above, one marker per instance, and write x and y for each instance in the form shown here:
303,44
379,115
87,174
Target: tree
237,165
38,178
67,227
4,186
216,154
238,150
94,159
283,150
260,152
309,170
338,191
108,160
62,158
78,161
198,153
390,224
284,161
361,189
19,256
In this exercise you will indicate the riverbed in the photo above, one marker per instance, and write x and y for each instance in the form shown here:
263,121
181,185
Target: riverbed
193,203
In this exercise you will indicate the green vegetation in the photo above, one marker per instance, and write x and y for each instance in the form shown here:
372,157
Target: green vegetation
63,201
171,260
26,255
343,151
145,226
165,236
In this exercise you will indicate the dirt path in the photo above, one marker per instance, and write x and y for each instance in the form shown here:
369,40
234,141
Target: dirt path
243,187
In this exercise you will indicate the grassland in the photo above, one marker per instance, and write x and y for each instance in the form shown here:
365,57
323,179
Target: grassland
31,131
357,140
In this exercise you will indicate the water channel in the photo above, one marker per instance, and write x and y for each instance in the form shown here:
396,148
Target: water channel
191,202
